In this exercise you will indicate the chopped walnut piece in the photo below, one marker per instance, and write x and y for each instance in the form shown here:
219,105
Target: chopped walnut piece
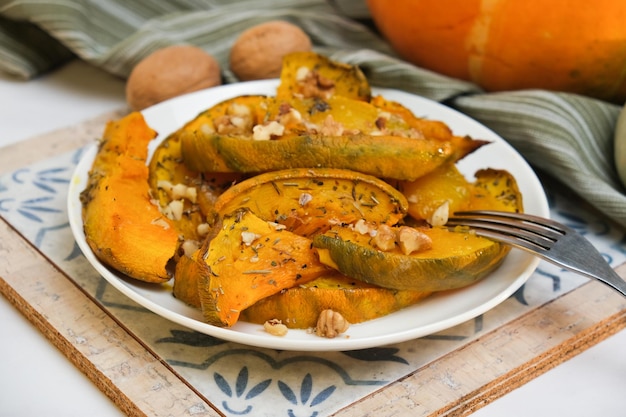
237,121
385,238
381,123
331,324
440,215
275,327
248,237
203,229
240,110
207,129
324,83
331,127
277,226
190,246
302,73
268,131
305,198
287,114
362,227
174,210
314,84
178,191
412,240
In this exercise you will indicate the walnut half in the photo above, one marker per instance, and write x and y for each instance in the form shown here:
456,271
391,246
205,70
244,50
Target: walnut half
331,324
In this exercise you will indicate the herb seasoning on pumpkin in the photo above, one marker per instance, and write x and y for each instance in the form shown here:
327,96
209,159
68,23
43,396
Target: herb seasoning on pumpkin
315,208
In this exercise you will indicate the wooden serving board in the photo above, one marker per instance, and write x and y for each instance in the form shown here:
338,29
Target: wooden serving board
141,381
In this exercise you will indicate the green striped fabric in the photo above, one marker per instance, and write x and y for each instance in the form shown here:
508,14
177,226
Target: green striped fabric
567,136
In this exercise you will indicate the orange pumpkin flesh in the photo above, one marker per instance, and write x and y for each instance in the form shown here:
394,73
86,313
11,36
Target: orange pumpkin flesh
571,46
247,258
250,259
122,226
299,307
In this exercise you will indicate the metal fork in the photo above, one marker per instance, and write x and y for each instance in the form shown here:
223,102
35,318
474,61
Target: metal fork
545,238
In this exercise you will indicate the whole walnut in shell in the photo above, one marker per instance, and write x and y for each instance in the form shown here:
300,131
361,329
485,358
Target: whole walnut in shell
258,52
170,72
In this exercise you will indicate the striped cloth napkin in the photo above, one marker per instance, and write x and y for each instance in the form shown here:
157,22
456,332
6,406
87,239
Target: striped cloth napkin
567,136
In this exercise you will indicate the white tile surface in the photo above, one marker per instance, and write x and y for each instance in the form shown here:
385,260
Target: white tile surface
62,98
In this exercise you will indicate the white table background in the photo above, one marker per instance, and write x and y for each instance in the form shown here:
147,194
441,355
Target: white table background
36,379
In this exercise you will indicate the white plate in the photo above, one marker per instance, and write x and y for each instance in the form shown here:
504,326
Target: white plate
434,314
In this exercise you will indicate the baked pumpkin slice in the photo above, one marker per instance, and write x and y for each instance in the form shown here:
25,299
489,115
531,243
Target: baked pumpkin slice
309,201
442,259
122,225
246,260
382,156
454,260
308,74
447,190
376,137
336,133
444,190
299,307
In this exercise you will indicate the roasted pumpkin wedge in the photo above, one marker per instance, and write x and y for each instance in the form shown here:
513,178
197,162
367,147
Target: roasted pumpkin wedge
250,259
444,188
447,188
123,227
454,258
400,116
495,189
299,307
382,156
310,201
189,269
401,121
308,74
339,130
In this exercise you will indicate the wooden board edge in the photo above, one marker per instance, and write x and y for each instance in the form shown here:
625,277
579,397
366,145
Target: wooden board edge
133,377
461,382
103,383
539,365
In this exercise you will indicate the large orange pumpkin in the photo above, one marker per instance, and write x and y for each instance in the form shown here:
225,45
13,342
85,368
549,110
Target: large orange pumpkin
563,45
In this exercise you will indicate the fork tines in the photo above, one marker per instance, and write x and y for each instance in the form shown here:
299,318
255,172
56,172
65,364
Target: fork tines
549,240
517,229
